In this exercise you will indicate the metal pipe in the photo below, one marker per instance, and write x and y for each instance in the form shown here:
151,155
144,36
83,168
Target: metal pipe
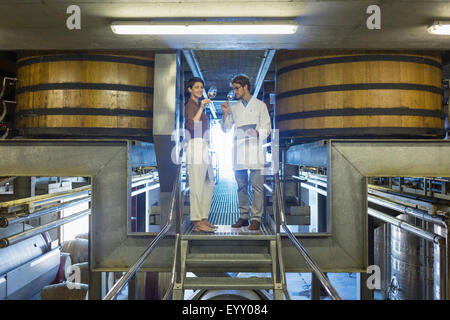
172,277
263,68
142,190
439,272
283,274
411,211
142,180
5,221
317,176
318,190
133,269
398,207
46,198
384,192
405,226
5,242
4,84
61,197
315,181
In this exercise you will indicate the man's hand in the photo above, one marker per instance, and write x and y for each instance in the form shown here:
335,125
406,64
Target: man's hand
226,108
253,133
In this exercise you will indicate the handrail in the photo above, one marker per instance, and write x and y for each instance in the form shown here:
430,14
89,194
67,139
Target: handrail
118,286
177,243
322,278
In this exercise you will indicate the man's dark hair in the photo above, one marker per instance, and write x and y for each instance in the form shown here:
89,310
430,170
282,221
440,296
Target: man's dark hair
242,80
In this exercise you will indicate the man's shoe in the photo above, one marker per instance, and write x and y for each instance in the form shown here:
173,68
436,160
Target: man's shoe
254,225
240,223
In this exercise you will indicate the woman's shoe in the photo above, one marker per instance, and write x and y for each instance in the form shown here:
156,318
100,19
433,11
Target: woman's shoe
200,226
209,224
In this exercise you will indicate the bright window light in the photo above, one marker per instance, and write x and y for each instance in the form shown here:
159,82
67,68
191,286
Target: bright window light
204,28
440,28
72,229
222,145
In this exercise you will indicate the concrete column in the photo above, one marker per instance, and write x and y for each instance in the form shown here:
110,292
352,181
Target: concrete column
166,123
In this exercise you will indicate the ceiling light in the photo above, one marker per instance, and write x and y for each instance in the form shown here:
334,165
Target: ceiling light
440,27
204,28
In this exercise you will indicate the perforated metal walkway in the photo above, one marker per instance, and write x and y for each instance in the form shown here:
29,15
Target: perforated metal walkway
224,207
223,213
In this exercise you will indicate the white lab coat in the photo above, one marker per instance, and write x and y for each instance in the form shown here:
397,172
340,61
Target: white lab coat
248,152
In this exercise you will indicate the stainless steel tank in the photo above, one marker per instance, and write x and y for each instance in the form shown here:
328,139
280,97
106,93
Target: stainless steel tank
21,252
382,256
411,265
27,266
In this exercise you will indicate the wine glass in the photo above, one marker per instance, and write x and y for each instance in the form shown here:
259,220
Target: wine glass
212,92
231,95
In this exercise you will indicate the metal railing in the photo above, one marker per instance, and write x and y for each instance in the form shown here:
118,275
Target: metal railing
118,286
176,268
280,220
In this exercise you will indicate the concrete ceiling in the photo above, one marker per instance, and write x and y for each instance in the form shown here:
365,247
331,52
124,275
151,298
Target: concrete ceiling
41,24
338,24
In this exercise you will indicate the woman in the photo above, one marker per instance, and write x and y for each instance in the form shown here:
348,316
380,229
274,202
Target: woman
201,180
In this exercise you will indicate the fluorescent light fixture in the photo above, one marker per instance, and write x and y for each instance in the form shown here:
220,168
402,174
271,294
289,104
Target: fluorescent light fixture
204,28
440,27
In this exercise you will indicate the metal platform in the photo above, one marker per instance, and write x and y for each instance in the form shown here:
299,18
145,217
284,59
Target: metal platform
224,206
226,232
223,213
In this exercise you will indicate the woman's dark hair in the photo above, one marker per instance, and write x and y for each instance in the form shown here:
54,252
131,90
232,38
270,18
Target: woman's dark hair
242,80
191,83
194,80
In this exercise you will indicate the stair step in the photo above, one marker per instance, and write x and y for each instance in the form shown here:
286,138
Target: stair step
225,237
228,259
227,283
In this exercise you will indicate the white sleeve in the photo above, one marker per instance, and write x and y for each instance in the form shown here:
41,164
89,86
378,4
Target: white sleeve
264,126
228,123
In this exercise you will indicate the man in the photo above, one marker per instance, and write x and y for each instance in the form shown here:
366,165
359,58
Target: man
252,126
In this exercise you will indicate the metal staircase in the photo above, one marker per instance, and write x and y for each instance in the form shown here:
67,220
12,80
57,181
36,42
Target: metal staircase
230,251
